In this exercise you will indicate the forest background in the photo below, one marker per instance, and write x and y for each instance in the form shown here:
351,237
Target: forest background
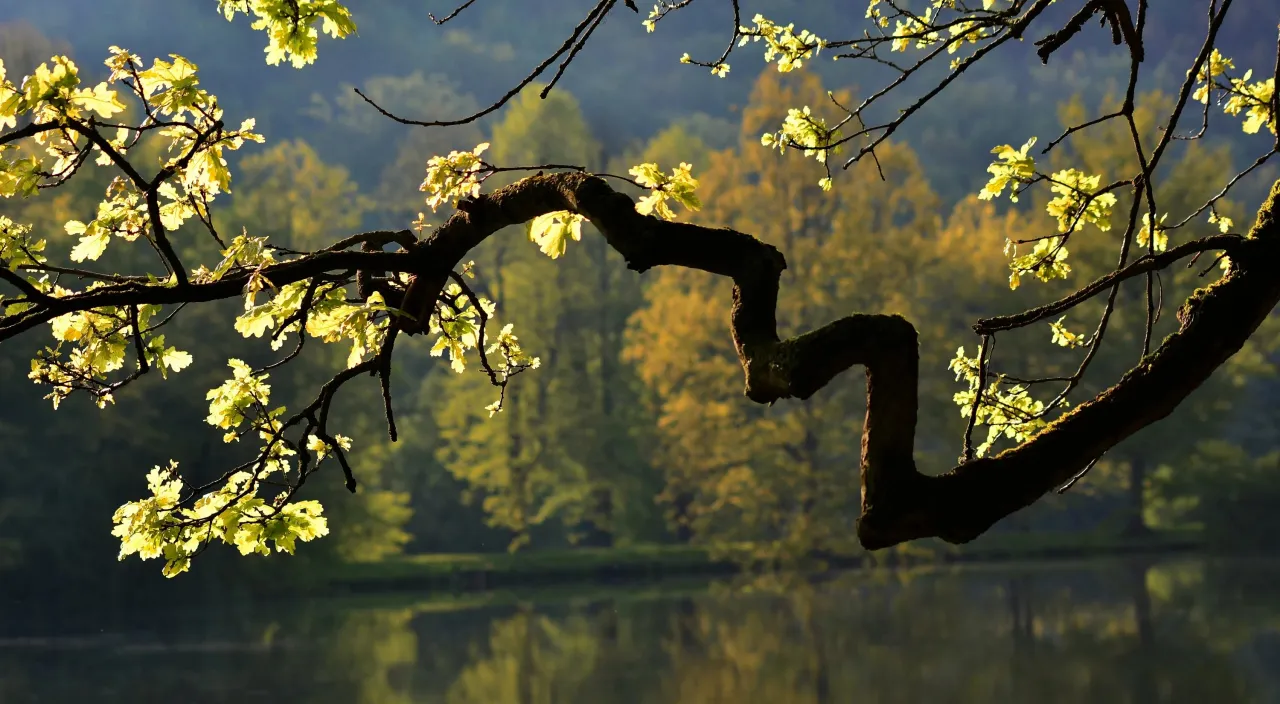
634,431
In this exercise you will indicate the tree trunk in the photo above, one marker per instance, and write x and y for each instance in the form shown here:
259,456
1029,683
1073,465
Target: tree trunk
603,508
1135,507
681,505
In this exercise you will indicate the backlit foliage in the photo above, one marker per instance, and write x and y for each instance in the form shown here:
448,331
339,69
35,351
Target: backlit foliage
291,25
55,124
790,50
1007,410
1237,95
679,186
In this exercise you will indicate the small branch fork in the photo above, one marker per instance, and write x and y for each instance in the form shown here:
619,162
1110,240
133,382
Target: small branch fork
568,50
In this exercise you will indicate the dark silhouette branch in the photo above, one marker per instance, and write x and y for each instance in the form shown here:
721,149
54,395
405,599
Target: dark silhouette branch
456,11
229,286
19,282
1143,265
571,46
898,502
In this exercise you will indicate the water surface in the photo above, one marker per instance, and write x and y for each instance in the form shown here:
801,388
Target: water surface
1191,630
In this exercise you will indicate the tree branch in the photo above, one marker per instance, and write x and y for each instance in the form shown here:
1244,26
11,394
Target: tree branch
229,286
898,503
1145,264
19,282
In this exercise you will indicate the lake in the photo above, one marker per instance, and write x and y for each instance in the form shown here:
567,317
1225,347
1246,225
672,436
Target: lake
1183,630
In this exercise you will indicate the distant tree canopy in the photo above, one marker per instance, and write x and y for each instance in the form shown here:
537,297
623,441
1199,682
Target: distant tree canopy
155,247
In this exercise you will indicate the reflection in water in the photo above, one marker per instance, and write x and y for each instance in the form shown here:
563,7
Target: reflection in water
1108,632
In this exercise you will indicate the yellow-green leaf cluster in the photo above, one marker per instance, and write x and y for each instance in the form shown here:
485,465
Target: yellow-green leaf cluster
170,88
175,527
651,22
803,130
243,252
283,311
512,360
1078,201
1012,166
453,177
1160,240
782,43
359,322
552,232
197,146
160,526
19,177
1008,412
291,25
1047,260
323,449
457,322
679,186
237,398
916,28
17,249
1062,336
1253,99
52,93
123,214
99,340
967,32
197,142
1223,222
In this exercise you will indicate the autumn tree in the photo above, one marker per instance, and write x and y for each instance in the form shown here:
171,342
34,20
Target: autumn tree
518,462
365,290
292,196
739,471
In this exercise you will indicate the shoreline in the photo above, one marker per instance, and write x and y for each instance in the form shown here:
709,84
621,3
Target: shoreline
480,572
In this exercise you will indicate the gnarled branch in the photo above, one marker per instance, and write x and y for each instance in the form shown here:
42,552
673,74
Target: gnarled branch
898,502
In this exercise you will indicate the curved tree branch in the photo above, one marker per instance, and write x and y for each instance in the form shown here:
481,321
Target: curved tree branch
898,502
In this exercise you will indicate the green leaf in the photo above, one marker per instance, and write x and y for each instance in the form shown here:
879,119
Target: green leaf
553,231
90,246
1012,166
290,26
176,359
680,186
100,99
256,321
